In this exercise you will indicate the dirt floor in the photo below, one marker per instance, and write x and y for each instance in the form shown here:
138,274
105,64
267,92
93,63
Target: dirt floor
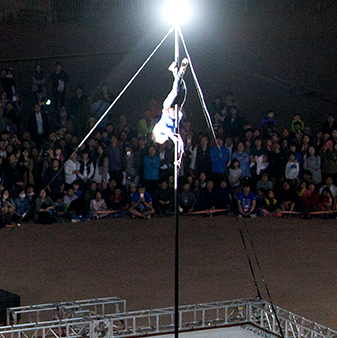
134,260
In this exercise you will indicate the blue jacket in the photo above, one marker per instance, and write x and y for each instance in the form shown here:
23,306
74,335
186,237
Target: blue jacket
219,159
151,167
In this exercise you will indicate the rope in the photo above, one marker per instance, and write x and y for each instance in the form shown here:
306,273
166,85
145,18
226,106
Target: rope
210,125
107,111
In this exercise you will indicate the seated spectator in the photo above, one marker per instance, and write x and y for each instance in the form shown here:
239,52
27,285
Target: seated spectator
164,198
310,199
292,169
264,182
325,201
76,187
208,197
247,202
7,207
187,200
44,209
60,209
233,123
235,175
302,188
270,205
141,204
225,195
90,194
259,200
329,184
117,202
78,211
69,197
288,198
22,204
71,171
98,205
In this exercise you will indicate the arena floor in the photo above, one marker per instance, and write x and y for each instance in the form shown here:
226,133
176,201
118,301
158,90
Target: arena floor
134,260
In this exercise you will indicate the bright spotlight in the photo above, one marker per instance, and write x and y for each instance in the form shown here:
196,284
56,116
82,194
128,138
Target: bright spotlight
176,11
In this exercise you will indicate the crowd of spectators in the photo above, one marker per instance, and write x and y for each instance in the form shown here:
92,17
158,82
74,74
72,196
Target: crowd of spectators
248,170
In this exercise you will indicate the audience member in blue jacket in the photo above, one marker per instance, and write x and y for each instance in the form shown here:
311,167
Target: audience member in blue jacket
151,171
219,158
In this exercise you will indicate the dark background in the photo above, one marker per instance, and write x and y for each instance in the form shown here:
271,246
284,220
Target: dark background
277,55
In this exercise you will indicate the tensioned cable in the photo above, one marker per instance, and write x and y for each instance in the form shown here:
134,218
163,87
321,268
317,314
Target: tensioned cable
209,122
108,109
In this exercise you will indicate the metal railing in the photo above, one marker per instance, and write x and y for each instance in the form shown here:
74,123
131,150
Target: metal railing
248,313
91,308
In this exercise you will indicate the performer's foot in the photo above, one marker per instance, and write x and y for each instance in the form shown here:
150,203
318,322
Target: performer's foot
183,67
173,68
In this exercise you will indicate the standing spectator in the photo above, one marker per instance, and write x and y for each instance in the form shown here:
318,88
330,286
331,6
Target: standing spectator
235,175
38,126
264,182
312,162
59,80
71,170
277,163
79,110
101,168
247,202
113,151
39,82
243,157
86,170
219,159
225,195
55,179
151,171
233,123
292,169
146,124
203,157
329,164
330,124
8,85
296,121
329,184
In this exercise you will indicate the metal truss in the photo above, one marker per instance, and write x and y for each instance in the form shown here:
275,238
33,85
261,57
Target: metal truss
251,314
59,311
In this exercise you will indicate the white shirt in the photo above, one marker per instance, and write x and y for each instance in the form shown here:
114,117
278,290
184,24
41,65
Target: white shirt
69,167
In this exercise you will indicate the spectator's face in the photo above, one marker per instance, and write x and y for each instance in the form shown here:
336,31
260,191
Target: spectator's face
85,156
152,151
264,178
55,164
292,158
249,134
293,148
76,187
329,181
118,192
79,92
223,184
246,189
229,141
93,186
241,147
100,150
258,143
331,119
204,141
311,151
164,185
58,68
220,142
112,184
271,115
190,180
187,187
37,109
114,141
141,190
71,192
271,194
202,177
122,119
276,146
109,128
98,196
286,185
297,118
217,117
312,187
73,157
133,189
210,185
284,144
334,133
43,193
319,135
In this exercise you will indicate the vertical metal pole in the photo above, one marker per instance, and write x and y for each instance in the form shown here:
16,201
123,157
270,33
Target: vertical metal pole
176,211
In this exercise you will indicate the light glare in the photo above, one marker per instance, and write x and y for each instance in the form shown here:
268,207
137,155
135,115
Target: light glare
176,11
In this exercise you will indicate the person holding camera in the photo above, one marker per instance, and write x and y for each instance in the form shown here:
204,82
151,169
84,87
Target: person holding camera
141,204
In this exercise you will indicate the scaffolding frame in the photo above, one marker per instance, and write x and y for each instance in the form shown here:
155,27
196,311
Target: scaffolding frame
65,310
249,313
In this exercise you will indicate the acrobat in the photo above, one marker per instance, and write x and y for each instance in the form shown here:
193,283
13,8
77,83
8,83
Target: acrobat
165,128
